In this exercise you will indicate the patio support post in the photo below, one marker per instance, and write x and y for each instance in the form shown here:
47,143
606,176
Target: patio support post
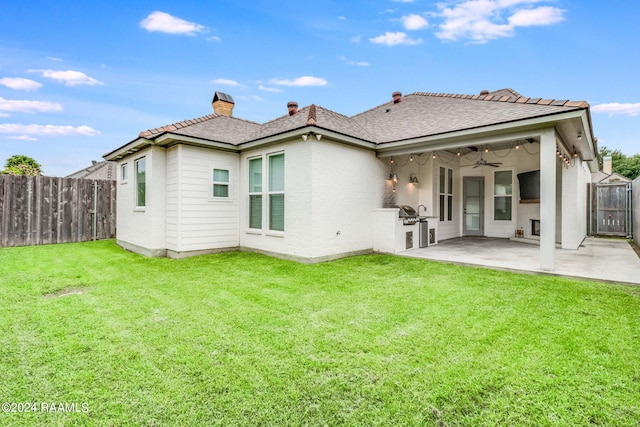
548,165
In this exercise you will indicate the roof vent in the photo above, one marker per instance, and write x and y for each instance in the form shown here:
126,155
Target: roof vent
484,92
397,97
293,107
223,104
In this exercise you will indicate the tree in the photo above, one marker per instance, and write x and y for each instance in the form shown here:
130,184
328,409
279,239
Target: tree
22,165
622,164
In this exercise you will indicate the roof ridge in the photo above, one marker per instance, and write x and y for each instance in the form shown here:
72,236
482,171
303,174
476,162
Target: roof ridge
186,123
312,115
504,98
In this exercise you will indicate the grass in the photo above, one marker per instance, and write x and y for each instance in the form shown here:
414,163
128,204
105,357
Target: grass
244,339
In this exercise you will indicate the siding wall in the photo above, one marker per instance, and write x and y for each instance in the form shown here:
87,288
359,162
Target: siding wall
196,221
143,229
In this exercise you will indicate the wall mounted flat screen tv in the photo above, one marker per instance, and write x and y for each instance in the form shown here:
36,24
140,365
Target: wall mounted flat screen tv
529,185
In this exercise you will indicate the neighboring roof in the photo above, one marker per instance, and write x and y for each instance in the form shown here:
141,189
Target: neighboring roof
419,114
605,178
98,170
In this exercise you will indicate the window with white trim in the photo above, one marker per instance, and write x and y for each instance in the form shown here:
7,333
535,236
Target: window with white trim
276,192
220,182
445,193
141,182
255,193
266,192
124,172
502,195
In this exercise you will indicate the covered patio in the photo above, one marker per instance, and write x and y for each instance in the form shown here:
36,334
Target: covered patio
601,259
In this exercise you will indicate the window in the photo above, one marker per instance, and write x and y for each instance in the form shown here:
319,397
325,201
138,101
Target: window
220,183
502,195
446,194
141,183
268,188
255,193
276,192
124,172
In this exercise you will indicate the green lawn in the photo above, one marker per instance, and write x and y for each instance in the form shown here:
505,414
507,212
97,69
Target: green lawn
243,339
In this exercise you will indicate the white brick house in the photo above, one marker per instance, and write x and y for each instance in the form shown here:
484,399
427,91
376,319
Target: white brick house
315,185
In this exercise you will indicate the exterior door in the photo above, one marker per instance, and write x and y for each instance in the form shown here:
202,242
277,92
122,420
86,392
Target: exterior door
473,206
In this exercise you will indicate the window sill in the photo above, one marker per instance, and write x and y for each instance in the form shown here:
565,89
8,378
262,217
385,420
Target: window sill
140,209
274,233
254,231
220,200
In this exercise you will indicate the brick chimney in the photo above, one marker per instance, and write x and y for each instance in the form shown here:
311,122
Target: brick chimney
292,106
607,165
397,97
223,104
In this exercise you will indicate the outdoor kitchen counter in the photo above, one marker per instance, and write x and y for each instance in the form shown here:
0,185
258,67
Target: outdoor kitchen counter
391,235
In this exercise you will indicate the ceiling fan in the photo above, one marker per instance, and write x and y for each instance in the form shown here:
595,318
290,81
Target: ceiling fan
483,162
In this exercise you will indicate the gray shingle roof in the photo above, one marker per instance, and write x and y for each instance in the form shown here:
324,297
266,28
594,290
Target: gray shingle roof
424,114
98,170
213,127
419,114
313,115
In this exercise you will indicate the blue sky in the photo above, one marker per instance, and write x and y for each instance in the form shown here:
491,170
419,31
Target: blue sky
78,79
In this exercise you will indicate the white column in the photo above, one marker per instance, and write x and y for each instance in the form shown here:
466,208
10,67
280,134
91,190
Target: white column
548,160
573,206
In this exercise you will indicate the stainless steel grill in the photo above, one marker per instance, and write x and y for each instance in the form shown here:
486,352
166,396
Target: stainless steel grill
408,214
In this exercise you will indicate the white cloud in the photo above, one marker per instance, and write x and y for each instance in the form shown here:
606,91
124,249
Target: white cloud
227,82
23,138
392,39
351,62
49,130
165,23
539,16
300,81
69,77
53,58
484,20
214,39
24,106
617,109
269,89
19,83
414,22
356,39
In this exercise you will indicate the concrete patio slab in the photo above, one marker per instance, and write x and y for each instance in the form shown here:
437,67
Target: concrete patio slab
602,259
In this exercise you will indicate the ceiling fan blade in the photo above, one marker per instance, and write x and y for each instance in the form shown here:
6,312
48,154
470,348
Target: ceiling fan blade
477,164
493,165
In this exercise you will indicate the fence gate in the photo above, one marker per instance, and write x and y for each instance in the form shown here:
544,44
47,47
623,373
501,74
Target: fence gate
613,209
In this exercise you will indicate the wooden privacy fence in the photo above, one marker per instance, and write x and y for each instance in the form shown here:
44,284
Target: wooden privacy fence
611,209
41,210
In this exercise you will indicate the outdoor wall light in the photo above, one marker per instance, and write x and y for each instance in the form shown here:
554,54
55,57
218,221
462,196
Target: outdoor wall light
413,179
393,177
312,133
